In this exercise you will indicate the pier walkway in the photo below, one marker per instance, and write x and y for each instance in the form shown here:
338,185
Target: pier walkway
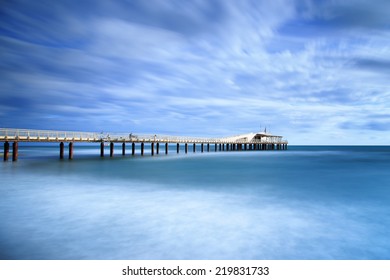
247,142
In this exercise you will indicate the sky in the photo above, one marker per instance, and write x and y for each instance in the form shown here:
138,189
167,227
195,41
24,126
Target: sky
315,72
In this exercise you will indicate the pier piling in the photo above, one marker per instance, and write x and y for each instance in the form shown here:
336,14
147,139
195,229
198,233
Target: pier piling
177,147
142,148
101,149
166,148
71,150
152,148
123,148
111,149
15,147
62,150
6,151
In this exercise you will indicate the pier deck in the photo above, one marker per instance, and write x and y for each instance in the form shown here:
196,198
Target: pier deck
250,141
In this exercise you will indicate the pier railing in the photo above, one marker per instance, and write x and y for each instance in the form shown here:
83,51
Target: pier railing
30,135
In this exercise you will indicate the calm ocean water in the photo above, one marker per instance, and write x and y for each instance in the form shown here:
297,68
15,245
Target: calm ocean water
304,203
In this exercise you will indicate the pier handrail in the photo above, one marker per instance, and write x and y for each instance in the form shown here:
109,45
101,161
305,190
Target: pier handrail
52,135
17,133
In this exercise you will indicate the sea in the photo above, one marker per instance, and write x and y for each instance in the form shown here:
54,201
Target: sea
304,203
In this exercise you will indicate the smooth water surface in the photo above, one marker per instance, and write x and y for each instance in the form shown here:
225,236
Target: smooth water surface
304,203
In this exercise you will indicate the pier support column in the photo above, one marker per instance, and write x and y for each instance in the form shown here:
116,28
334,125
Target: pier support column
186,147
177,147
208,147
123,148
142,148
15,148
71,150
157,147
111,149
215,147
152,148
201,147
62,150
6,151
227,147
101,149
222,147
194,149
133,148
166,148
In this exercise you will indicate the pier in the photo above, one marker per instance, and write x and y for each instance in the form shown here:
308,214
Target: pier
260,141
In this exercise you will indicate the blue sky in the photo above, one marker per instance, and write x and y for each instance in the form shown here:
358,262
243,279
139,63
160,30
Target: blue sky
316,72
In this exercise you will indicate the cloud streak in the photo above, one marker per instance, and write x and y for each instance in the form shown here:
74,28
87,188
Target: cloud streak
210,68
